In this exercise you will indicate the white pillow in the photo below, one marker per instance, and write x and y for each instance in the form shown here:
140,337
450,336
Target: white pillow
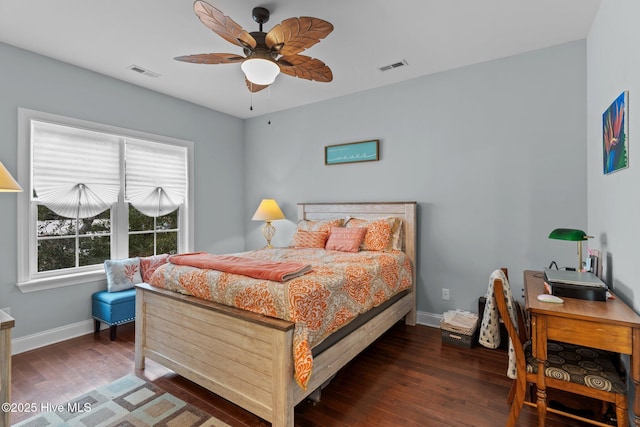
122,274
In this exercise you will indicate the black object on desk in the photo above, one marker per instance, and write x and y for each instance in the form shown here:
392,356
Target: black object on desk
576,284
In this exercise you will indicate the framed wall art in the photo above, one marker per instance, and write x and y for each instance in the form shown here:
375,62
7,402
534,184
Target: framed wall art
352,152
615,133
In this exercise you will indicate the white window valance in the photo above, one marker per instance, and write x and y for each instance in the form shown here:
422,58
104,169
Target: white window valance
76,172
156,176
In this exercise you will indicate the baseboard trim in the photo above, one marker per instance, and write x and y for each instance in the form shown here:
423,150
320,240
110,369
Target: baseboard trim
428,319
63,333
51,336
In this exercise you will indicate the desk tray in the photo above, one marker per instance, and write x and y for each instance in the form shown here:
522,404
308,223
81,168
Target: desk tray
576,291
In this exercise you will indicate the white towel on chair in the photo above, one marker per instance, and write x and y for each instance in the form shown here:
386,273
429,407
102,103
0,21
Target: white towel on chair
490,327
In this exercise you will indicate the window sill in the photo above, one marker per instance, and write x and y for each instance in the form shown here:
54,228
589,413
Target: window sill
60,281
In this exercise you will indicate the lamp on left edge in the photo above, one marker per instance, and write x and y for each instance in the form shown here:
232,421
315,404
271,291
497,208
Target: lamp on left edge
268,211
7,183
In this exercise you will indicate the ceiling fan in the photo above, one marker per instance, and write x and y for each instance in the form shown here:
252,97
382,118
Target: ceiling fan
266,54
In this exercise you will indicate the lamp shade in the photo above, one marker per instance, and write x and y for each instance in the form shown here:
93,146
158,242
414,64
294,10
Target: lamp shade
260,71
570,234
268,210
7,183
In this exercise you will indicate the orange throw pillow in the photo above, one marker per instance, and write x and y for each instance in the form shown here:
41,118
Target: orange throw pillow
149,264
345,239
310,239
310,225
380,232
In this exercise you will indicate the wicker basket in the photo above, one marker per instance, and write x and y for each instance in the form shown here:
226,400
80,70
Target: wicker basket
458,339
462,338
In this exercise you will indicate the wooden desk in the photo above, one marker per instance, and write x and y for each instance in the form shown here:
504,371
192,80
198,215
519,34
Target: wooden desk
610,325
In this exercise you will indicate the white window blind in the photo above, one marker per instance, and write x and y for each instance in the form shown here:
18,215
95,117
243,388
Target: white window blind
75,171
156,176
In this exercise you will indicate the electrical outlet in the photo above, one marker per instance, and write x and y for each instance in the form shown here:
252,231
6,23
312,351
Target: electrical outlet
445,294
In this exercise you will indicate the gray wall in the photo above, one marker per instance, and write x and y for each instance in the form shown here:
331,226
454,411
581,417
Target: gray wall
614,207
39,83
494,153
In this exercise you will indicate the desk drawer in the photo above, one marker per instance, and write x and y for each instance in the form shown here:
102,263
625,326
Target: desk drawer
614,338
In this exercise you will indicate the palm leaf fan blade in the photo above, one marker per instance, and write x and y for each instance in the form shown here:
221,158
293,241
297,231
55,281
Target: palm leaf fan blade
222,25
254,87
211,58
297,34
305,67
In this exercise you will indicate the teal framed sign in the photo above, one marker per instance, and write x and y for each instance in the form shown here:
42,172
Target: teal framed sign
352,152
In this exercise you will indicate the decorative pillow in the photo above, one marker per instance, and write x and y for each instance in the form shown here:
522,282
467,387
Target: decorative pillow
122,274
310,239
345,239
308,225
149,264
397,238
380,232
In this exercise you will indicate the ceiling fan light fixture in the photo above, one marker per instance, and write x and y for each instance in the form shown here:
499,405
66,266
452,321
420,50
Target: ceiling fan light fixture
260,71
265,54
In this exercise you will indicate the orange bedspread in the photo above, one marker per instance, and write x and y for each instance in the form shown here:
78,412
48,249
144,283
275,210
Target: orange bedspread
341,286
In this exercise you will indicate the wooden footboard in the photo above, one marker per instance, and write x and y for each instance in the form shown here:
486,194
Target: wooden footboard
242,357
245,357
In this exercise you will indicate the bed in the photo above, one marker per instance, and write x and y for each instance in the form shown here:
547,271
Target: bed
247,357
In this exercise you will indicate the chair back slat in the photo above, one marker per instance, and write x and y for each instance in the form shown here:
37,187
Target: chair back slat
516,338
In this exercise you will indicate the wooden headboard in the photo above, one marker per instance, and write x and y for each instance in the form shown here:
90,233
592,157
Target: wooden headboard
407,211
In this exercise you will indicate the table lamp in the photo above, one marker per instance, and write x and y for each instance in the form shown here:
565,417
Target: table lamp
267,211
7,183
572,235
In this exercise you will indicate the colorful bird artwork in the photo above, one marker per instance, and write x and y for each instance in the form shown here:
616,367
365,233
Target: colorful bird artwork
614,135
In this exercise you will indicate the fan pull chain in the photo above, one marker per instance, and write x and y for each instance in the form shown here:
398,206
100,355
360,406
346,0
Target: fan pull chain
269,97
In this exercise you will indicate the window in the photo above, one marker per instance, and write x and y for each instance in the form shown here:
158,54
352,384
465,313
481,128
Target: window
69,242
152,235
95,192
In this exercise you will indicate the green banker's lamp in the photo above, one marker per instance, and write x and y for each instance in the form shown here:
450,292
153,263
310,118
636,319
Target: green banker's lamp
572,235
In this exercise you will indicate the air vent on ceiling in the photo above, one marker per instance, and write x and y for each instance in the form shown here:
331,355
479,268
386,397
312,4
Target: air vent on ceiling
144,71
394,65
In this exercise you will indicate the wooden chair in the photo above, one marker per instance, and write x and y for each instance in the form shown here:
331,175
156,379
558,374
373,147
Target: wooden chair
612,387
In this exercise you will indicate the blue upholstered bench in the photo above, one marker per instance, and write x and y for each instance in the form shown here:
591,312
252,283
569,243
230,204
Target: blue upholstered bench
117,305
113,308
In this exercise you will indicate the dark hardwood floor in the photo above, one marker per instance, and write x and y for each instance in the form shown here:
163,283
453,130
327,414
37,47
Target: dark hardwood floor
406,378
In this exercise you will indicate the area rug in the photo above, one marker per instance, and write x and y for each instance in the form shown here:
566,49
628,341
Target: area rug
127,402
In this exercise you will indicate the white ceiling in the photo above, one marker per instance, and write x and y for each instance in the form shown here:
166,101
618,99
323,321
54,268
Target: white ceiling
107,36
